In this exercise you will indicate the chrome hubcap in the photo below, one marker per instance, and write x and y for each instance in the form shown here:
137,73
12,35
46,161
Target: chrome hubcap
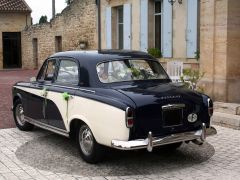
86,140
20,114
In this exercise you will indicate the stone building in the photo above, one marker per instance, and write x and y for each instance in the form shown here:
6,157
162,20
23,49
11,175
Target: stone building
220,48
144,24
77,23
15,15
208,27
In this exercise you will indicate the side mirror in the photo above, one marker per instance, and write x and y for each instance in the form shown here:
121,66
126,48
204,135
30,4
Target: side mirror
33,79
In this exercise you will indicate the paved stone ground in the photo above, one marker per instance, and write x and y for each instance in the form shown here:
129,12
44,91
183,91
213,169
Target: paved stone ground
7,79
43,155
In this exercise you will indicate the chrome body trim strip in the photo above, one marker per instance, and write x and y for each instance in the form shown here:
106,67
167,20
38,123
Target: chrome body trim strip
173,106
54,85
81,89
87,90
151,142
47,127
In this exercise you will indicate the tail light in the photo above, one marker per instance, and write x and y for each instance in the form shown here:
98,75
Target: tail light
129,117
210,107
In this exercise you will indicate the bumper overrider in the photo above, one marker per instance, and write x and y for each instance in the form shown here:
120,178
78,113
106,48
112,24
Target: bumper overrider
197,137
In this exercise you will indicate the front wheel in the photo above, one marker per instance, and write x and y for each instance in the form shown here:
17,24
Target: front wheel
89,149
18,113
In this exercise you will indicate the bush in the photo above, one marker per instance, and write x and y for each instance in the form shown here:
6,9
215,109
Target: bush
191,78
155,52
197,55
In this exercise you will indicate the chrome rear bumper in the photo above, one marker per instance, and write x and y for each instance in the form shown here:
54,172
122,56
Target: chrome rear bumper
151,142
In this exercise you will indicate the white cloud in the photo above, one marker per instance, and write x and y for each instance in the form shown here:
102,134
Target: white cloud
44,7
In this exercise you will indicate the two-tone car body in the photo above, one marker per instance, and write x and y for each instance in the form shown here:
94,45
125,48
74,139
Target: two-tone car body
119,99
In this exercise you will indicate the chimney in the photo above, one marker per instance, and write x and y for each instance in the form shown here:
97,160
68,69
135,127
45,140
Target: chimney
53,8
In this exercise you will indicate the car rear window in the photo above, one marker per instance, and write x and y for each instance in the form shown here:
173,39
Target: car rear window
130,70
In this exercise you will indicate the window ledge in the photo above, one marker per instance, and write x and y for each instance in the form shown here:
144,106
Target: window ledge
184,60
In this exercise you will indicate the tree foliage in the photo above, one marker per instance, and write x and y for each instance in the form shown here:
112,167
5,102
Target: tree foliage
43,19
68,1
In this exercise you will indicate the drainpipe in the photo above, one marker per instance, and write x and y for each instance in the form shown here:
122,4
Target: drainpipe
53,9
98,3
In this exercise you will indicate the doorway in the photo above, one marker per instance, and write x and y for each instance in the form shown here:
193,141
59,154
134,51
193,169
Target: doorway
12,56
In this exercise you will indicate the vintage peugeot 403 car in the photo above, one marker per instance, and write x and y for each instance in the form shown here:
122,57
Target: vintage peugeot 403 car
120,99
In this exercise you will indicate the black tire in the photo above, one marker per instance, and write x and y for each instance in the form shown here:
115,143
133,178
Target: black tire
94,152
18,114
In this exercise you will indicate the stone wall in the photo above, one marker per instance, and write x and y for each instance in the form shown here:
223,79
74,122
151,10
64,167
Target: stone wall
12,22
220,48
76,23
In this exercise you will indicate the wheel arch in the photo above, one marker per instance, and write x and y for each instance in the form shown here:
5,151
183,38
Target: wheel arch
75,123
16,97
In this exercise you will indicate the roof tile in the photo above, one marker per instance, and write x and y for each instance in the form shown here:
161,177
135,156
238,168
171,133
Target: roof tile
14,6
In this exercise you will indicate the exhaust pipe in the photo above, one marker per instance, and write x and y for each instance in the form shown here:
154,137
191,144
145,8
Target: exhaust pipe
197,142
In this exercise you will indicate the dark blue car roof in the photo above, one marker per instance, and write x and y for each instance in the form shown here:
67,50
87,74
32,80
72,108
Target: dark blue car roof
89,59
96,56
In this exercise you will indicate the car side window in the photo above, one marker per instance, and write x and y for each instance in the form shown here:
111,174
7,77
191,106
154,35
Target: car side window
48,70
68,72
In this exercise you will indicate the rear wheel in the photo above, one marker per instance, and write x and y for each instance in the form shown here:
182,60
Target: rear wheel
18,113
89,149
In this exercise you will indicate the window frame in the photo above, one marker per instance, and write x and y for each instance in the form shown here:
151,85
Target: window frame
123,82
45,64
57,71
154,24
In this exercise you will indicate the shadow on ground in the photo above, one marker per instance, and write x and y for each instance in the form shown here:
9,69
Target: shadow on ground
60,155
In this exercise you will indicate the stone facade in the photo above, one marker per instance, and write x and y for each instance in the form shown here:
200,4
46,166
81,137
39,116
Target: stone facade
220,49
179,23
12,22
76,23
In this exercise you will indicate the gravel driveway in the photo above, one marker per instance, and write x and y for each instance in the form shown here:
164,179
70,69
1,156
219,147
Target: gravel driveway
43,155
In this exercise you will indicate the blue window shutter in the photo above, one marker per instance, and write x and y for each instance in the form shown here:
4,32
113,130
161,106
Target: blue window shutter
127,23
143,25
192,19
108,28
167,29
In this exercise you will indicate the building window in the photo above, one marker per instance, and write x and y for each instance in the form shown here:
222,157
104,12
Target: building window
120,26
58,43
158,24
35,52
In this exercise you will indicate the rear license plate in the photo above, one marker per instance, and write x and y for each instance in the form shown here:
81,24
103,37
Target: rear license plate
172,117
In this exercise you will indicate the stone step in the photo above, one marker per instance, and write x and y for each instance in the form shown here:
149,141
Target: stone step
228,108
226,120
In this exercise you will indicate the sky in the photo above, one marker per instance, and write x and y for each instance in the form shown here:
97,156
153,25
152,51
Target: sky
44,7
